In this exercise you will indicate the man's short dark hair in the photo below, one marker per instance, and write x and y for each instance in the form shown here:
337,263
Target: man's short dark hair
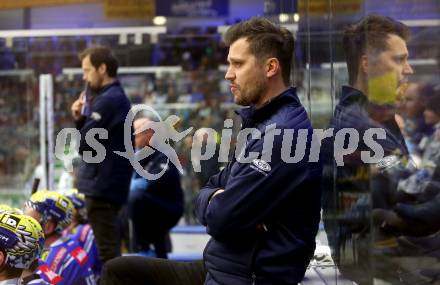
101,55
265,40
371,32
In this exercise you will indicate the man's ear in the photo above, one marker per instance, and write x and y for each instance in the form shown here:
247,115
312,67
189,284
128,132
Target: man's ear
102,69
272,67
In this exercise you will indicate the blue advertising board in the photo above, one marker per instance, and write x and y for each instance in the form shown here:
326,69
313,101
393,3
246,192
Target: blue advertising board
192,8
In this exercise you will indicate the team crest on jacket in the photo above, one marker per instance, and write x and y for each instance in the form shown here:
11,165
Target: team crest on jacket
261,166
95,116
388,162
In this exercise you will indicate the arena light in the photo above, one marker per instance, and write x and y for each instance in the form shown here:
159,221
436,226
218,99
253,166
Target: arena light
296,17
283,17
159,20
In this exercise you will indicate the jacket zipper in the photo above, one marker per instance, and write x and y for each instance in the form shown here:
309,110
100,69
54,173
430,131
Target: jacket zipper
254,254
253,260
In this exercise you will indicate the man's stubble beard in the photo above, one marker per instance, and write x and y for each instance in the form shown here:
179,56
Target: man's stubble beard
96,88
253,94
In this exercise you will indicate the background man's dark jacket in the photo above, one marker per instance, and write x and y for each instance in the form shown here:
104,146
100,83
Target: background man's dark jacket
108,180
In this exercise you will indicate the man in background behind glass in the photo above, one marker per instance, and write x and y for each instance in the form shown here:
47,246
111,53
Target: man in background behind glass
106,182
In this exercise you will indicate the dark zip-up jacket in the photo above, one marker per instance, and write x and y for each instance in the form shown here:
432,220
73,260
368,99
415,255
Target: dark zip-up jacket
165,191
263,226
108,180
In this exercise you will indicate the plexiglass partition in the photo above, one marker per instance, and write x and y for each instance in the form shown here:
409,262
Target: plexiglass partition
380,216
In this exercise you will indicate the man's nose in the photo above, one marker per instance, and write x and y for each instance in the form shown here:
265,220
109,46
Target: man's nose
229,75
408,69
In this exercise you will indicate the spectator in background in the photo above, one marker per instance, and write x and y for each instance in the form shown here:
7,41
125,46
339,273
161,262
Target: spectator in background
154,206
105,184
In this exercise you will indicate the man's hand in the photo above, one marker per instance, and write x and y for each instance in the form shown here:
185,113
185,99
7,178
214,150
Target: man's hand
77,106
216,193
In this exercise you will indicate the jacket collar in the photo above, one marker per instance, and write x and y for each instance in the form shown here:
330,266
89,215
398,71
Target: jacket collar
156,155
108,86
352,95
270,107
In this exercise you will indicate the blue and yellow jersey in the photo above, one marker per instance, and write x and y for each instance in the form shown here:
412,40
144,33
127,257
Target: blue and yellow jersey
65,262
83,234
